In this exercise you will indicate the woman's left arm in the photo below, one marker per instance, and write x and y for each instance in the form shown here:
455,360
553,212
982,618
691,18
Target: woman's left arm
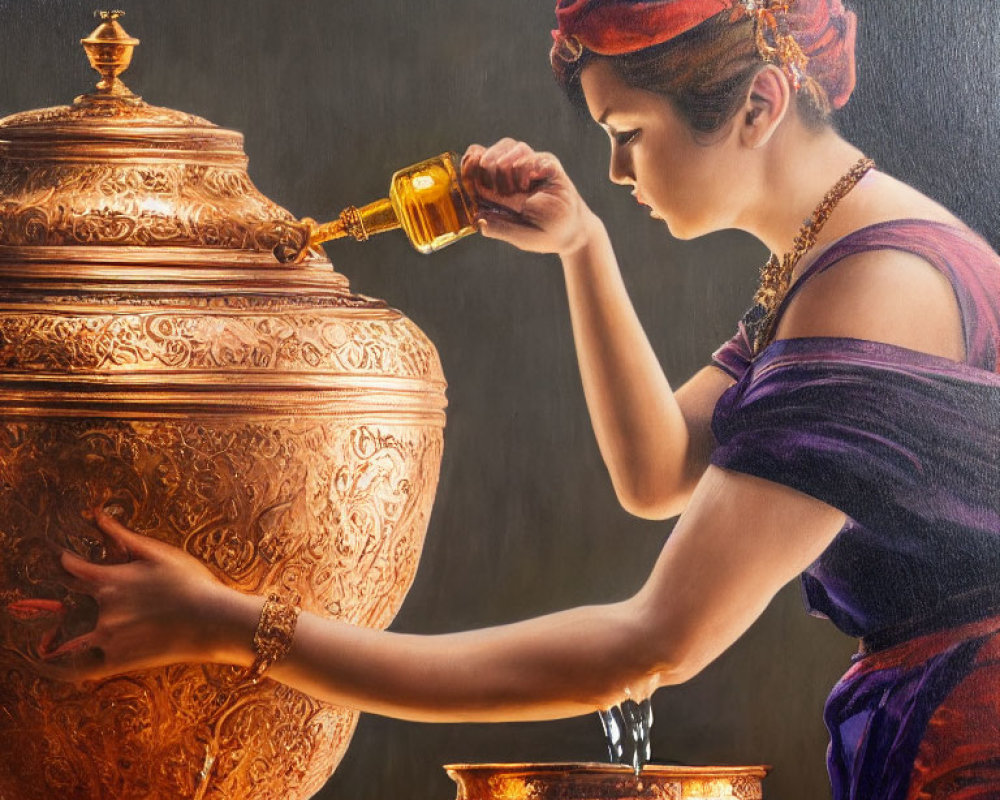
741,539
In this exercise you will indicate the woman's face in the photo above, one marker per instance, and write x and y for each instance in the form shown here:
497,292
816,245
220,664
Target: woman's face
692,186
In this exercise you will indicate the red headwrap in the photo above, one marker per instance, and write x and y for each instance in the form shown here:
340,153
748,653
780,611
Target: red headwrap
613,28
826,32
821,31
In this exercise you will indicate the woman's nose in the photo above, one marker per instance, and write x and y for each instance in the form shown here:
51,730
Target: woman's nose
620,168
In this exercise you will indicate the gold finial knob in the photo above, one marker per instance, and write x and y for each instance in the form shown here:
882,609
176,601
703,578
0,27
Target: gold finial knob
109,49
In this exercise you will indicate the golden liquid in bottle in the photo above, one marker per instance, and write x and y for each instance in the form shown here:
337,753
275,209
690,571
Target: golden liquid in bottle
431,203
427,200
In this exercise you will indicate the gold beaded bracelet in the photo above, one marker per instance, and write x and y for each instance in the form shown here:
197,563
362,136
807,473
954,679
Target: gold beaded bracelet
273,638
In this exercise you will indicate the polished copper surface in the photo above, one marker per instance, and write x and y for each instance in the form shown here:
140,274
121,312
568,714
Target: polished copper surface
156,358
111,170
591,781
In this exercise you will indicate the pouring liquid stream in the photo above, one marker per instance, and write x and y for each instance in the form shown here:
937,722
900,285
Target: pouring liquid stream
627,732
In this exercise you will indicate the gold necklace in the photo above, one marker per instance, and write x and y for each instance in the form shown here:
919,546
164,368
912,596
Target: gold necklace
776,274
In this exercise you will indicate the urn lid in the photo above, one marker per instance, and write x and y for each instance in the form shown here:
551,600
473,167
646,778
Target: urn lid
112,171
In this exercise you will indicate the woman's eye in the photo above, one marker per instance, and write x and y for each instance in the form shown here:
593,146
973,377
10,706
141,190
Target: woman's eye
625,137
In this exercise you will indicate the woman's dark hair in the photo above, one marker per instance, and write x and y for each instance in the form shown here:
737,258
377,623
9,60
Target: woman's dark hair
705,72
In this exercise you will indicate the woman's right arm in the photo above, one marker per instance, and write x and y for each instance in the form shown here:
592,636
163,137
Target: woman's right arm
654,441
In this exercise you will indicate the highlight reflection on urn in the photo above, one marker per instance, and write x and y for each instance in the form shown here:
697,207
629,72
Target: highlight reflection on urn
155,357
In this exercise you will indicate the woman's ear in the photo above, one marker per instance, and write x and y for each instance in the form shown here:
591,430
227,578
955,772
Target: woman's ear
767,103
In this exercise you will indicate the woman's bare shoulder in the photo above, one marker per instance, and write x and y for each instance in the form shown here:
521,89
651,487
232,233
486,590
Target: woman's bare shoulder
883,295
889,296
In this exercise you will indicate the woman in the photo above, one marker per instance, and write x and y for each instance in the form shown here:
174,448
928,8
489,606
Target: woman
847,433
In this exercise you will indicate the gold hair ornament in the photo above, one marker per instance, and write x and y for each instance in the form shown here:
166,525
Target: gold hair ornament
568,48
776,45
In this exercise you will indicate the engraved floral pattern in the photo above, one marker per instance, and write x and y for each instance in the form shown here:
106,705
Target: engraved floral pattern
328,513
153,115
155,204
589,782
745,788
296,339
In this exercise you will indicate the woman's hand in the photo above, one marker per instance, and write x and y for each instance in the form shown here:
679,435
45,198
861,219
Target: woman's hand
526,198
156,609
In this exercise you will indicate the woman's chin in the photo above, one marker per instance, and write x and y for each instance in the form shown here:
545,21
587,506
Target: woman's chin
676,228
680,228
685,230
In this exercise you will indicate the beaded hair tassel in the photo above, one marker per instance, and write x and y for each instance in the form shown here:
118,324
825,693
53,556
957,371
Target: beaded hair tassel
778,46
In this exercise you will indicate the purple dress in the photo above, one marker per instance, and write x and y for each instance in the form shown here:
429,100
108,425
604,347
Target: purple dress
907,445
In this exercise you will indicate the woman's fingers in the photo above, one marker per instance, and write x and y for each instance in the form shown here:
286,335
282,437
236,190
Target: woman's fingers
522,170
81,569
506,180
75,660
140,606
533,171
507,168
490,172
525,197
493,228
73,648
54,612
36,608
545,167
500,224
470,160
134,544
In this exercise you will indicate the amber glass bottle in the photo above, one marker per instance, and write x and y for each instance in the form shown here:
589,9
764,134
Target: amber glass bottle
427,200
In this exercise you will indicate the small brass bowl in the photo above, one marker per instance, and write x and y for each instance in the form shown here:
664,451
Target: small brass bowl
591,781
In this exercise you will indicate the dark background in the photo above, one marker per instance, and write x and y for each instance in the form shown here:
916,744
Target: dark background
333,97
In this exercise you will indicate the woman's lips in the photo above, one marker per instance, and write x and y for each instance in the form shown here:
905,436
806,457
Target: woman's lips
641,202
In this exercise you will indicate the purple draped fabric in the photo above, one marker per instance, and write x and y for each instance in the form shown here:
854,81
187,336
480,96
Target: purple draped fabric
920,720
903,443
907,445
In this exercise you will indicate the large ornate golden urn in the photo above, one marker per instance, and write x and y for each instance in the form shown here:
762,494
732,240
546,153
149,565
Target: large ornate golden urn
156,357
